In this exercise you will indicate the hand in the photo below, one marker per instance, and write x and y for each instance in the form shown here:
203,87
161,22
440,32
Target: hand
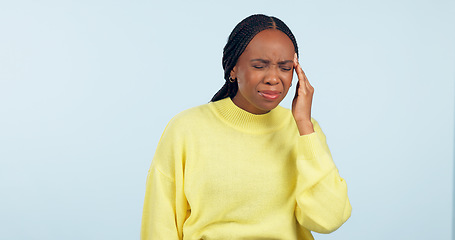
301,105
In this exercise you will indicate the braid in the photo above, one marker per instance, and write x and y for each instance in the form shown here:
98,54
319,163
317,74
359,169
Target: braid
237,42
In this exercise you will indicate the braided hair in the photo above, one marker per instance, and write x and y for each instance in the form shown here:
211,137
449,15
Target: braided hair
237,42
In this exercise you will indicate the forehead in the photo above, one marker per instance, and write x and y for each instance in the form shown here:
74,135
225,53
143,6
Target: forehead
270,42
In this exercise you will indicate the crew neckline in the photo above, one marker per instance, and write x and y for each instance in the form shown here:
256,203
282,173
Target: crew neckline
249,122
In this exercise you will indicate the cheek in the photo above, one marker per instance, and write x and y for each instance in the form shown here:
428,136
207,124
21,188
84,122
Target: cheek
250,79
286,78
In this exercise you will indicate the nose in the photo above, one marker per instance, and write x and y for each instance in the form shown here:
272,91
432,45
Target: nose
272,77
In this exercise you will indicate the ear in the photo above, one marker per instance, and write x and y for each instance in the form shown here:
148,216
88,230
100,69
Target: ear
233,74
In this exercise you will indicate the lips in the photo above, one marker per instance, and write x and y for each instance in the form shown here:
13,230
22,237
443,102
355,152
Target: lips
271,95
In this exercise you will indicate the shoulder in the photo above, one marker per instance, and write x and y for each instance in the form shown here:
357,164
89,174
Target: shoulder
189,119
191,115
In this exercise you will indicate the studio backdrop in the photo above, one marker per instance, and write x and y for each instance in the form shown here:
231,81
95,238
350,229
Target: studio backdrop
87,88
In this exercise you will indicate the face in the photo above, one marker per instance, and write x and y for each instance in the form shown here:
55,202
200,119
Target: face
264,72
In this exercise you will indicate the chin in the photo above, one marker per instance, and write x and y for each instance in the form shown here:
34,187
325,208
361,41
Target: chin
269,106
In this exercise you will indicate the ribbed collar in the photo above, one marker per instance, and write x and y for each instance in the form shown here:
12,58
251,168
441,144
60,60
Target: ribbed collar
245,121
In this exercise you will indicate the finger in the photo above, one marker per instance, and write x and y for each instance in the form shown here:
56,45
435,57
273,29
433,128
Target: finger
310,89
304,78
301,79
296,67
304,87
307,81
300,73
297,89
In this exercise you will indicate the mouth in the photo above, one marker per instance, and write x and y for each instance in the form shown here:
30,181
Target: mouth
271,95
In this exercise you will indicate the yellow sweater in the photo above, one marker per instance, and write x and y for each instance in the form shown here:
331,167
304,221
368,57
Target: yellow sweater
220,172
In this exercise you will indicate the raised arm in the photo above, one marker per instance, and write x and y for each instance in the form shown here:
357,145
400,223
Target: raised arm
321,194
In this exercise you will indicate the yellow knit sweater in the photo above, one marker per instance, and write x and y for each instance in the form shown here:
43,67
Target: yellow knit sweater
220,172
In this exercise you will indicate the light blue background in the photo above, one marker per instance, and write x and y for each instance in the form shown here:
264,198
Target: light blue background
87,87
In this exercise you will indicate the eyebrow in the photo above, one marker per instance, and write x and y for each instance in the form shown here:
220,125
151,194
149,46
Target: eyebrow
267,61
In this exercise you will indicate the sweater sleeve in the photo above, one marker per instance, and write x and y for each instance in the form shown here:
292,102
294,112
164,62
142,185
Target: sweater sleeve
165,205
321,194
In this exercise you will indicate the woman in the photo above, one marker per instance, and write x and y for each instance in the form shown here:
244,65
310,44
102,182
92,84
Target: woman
241,166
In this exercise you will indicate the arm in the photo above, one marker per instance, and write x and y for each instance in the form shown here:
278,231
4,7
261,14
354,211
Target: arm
165,206
321,194
158,216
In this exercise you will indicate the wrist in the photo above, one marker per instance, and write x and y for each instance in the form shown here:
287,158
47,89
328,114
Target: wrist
305,127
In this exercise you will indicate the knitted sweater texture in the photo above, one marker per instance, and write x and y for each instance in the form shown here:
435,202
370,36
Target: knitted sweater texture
220,172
